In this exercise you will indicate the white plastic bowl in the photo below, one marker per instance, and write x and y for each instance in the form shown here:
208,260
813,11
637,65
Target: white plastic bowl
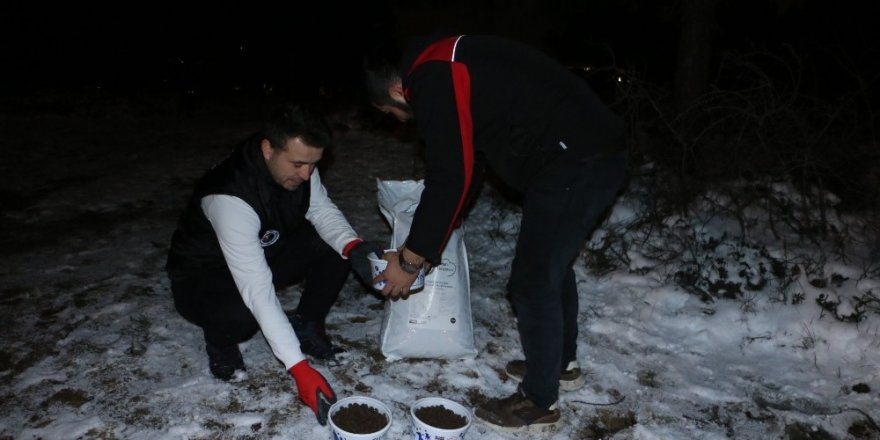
341,434
422,430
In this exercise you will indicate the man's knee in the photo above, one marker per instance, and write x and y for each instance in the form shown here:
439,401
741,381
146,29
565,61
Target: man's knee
330,262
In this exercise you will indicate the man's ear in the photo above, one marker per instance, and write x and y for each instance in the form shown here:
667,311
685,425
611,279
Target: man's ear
396,91
266,147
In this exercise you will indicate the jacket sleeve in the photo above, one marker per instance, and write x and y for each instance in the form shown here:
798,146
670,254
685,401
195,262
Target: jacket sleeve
237,227
328,220
444,126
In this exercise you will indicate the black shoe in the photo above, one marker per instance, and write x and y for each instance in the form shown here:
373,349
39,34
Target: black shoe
313,339
517,413
224,361
570,378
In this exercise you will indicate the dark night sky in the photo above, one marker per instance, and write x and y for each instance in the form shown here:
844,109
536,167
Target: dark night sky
146,45
160,44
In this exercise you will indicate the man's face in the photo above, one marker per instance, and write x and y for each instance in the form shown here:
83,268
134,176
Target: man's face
292,165
398,106
401,110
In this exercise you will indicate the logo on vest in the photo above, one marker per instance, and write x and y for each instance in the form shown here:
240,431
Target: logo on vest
269,237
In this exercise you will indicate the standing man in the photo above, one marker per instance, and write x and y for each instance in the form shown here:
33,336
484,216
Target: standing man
258,220
486,101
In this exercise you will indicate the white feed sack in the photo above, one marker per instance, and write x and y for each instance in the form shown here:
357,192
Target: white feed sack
435,322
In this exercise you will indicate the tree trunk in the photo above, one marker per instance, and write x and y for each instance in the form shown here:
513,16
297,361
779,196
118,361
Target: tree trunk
694,52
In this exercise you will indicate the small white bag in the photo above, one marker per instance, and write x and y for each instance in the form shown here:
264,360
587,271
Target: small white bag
435,322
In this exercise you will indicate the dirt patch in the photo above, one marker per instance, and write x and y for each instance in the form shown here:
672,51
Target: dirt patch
68,396
802,431
606,423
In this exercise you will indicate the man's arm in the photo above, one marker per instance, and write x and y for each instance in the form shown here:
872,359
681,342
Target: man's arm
328,220
440,98
237,227
440,94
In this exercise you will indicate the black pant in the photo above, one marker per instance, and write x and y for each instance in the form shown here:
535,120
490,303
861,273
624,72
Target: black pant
559,213
210,299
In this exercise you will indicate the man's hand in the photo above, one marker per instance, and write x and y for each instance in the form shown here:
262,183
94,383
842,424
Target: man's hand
313,389
397,280
360,265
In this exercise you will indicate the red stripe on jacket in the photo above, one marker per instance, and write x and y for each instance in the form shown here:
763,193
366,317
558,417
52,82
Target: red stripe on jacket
444,50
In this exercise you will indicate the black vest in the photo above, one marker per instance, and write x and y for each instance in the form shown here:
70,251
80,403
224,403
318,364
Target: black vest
243,174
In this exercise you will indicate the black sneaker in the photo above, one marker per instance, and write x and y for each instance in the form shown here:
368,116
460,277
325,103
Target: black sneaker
517,413
313,339
570,379
224,361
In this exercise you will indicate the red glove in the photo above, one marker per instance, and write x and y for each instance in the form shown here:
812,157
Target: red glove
313,389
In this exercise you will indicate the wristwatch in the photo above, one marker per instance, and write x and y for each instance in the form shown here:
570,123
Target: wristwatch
407,267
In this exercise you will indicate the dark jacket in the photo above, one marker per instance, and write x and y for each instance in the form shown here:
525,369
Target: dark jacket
243,174
500,104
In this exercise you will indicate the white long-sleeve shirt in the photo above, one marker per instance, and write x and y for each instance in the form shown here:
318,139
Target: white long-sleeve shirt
238,226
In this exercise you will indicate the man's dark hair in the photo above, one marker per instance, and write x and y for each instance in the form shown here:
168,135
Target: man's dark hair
381,66
295,121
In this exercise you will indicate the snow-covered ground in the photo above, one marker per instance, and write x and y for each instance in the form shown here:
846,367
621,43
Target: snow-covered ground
92,347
